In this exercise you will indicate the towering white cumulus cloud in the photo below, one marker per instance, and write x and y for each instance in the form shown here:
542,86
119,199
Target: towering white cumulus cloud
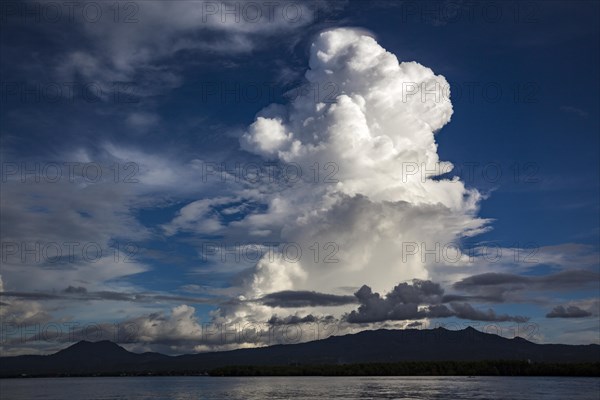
373,122
383,118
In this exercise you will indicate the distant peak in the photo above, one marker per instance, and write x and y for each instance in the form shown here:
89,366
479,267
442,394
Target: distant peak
87,346
467,329
98,343
520,339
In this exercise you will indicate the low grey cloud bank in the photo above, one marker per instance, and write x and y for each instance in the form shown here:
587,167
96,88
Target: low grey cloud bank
420,300
501,287
305,298
568,312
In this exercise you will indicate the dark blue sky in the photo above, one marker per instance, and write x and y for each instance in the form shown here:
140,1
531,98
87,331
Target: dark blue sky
176,88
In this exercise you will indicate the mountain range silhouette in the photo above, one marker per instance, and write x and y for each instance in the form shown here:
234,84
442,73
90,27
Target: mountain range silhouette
376,346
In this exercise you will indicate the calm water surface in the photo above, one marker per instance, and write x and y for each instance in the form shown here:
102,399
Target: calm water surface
180,388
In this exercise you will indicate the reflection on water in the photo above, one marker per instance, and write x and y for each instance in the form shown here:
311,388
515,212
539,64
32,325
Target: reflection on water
246,388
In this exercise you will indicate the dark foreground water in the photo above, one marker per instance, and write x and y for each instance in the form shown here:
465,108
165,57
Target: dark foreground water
247,388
